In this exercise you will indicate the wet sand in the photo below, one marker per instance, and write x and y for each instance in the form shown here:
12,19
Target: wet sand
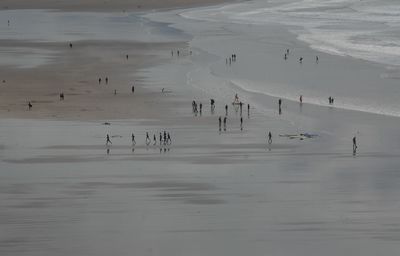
105,6
64,192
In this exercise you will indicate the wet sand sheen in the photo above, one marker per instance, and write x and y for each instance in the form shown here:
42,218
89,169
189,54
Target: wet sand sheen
209,193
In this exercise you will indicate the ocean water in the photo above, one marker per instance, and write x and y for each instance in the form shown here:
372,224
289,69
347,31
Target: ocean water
358,44
367,30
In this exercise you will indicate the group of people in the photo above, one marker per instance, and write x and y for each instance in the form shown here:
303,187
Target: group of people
198,108
164,139
106,80
231,59
178,53
286,56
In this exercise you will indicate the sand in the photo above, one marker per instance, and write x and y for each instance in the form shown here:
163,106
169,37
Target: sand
64,192
100,5
75,72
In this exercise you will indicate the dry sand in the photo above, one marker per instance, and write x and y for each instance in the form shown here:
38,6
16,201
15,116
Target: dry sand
75,72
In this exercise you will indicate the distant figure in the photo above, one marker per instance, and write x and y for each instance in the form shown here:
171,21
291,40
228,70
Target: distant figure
108,141
301,99
169,141
147,139
316,59
115,92
241,123
99,80
193,105
280,103
287,51
285,57
224,123
241,107
62,96
165,137
226,110
8,22
70,45
29,105
201,107
154,139
248,109
160,138
127,56
354,144
177,52
133,89
236,98
162,90
269,137
301,60
219,122
133,139
106,80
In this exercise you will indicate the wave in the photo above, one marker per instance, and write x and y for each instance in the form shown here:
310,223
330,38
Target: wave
340,103
360,29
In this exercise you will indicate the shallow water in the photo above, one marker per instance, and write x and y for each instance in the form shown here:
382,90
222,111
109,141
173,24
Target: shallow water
38,26
355,83
62,193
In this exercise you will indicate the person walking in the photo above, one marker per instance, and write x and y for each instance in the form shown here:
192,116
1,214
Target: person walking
133,139
269,137
354,144
225,124
147,139
108,141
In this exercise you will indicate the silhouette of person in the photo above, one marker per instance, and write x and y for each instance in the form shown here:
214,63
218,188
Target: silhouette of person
133,139
108,141
269,137
354,144
224,123
147,139
226,110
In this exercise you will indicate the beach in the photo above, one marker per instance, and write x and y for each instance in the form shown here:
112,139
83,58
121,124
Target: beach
211,190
